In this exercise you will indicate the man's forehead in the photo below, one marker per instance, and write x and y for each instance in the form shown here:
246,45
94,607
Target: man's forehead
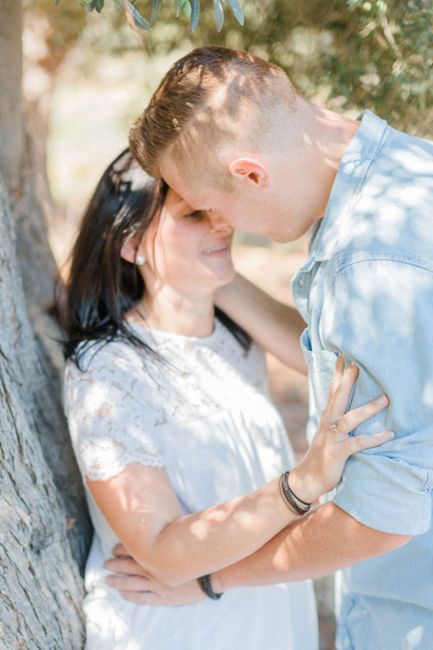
196,198
189,196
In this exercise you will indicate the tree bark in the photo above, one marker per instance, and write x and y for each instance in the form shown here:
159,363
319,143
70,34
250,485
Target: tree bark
44,528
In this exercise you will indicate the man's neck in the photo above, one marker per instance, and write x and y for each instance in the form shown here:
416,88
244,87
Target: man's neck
333,134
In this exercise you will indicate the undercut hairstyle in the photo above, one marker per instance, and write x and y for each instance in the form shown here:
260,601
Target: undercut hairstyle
210,97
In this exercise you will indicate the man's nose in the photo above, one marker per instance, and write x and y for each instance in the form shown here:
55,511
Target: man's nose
219,224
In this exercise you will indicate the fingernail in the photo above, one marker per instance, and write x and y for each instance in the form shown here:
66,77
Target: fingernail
383,399
353,366
389,435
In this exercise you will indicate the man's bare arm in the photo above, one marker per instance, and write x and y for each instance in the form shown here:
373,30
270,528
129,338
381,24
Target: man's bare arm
327,540
274,326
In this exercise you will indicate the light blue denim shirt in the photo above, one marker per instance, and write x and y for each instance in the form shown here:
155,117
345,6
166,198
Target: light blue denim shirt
366,290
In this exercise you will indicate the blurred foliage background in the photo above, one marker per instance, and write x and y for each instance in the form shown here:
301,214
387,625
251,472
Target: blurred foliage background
96,75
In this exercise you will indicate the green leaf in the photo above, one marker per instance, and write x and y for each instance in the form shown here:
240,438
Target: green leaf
156,4
238,12
218,11
195,14
138,18
186,8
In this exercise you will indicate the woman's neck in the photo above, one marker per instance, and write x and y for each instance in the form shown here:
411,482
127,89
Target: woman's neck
170,312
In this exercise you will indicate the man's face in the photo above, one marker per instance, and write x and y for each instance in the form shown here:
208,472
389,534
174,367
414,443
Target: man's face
262,211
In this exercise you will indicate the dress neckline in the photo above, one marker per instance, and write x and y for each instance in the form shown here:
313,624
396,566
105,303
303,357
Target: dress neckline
162,335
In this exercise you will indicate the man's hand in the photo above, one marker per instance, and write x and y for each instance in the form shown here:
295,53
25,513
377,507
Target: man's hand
138,586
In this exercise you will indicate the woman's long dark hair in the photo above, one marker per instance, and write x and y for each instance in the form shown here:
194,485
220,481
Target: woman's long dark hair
102,286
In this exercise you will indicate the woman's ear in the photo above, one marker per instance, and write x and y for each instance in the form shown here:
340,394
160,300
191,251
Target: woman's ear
250,169
129,251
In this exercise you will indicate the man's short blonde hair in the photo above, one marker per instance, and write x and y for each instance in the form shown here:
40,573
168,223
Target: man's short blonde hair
210,97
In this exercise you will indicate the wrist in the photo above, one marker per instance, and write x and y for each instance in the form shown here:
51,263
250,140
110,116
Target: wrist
218,582
303,485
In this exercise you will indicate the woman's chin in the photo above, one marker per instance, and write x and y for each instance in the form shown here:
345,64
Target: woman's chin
218,277
227,276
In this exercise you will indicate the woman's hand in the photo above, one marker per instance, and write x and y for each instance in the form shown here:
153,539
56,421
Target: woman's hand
138,586
322,466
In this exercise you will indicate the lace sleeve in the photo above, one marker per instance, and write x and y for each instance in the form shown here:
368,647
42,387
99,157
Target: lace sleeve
111,414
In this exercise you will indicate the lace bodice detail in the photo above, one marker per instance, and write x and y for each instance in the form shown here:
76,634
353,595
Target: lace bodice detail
116,407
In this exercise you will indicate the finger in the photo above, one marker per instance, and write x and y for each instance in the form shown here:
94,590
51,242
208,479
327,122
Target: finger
141,598
340,398
128,583
366,441
119,549
125,565
357,416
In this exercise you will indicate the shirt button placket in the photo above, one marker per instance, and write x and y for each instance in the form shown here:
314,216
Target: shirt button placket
301,294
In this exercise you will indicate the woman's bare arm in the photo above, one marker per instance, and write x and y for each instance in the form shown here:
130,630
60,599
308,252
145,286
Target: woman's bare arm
274,326
142,508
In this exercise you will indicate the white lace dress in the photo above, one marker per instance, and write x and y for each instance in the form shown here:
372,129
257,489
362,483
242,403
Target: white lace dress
206,417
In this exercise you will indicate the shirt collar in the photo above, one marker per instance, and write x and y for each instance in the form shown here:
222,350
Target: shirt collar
351,174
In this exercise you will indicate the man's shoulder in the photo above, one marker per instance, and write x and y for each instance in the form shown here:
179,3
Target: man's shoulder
397,138
402,167
392,214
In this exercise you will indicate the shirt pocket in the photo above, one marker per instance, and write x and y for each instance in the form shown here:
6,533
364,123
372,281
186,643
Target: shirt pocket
313,413
321,365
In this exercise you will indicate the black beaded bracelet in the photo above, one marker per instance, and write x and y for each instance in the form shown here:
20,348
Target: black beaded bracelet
206,586
293,502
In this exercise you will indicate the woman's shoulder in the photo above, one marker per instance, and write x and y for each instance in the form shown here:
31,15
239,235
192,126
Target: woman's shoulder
112,373
112,358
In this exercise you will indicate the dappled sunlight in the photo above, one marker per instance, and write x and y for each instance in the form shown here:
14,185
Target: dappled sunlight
394,205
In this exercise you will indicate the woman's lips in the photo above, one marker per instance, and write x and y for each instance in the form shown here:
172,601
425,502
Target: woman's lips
218,249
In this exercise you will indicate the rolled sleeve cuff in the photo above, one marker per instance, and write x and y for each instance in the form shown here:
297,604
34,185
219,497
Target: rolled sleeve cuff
386,494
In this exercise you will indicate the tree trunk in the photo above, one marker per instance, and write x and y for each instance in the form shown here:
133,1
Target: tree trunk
49,35
44,530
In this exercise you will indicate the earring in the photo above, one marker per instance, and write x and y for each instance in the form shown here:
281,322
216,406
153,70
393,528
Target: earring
140,260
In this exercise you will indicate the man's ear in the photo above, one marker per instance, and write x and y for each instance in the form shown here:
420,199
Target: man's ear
251,170
129,251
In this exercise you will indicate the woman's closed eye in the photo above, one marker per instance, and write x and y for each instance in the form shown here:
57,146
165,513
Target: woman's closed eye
196,214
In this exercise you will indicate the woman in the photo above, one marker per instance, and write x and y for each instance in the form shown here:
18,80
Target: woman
183,455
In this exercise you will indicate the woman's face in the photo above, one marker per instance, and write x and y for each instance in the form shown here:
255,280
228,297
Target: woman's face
184,251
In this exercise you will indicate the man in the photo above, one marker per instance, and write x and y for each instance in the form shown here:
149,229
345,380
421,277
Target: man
230,134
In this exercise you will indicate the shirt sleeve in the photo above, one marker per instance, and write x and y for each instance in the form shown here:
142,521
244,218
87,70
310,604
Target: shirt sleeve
111,412
380,315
